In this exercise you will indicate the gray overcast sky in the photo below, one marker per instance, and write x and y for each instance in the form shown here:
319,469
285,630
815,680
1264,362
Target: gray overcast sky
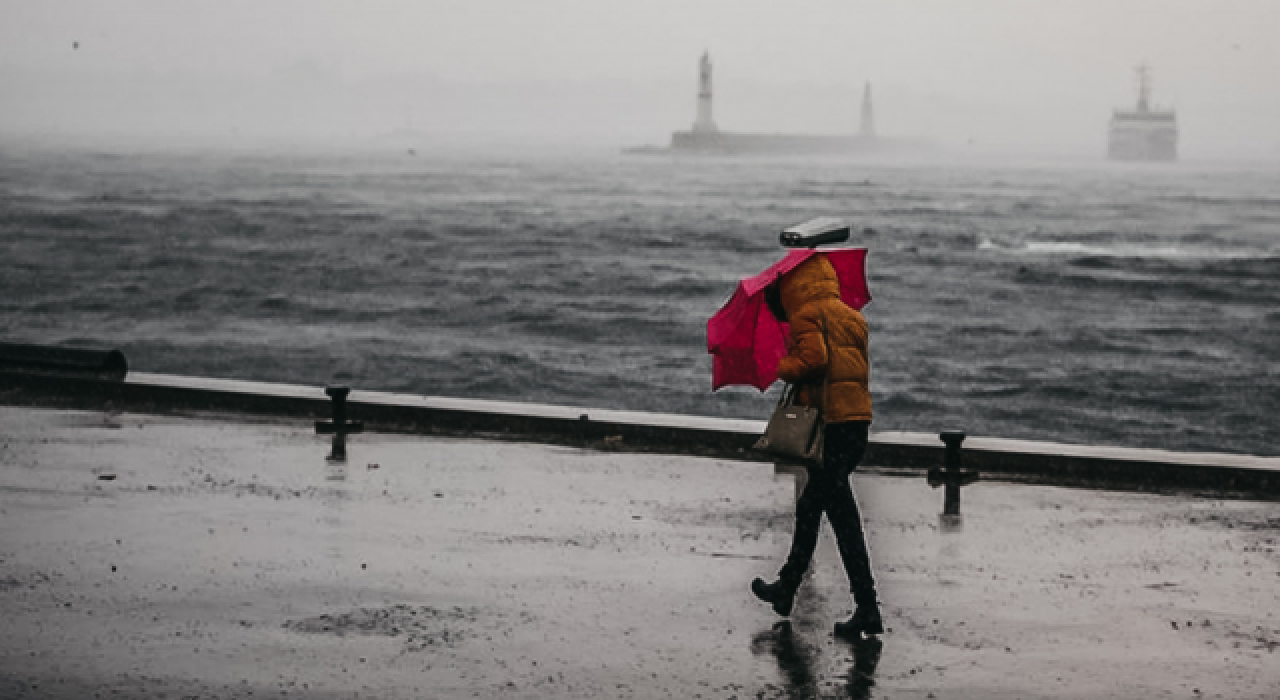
989,75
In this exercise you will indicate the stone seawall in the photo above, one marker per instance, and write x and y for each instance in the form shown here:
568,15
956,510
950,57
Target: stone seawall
635,431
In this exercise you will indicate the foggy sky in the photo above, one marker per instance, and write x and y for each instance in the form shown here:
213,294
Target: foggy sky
999,76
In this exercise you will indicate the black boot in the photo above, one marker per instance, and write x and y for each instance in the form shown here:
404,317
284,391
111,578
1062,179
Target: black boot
865,620
780,595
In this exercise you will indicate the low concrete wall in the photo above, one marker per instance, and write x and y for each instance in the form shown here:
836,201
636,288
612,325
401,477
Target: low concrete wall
633,431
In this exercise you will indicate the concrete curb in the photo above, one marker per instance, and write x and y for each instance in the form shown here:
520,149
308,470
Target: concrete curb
634,431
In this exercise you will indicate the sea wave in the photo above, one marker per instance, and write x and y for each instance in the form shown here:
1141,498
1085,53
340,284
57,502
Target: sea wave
1055,305
1126,250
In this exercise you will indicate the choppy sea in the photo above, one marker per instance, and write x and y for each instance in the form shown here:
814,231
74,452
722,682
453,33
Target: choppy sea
1121,305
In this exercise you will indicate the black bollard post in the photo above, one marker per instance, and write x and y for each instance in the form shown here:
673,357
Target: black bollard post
952,476
339,426
951,497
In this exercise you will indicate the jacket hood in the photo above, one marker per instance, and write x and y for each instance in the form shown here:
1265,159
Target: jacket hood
810,281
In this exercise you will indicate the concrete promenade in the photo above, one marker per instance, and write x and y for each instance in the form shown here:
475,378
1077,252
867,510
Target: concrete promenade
145,556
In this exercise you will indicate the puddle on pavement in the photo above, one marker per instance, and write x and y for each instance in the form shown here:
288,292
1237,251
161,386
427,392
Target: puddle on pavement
802,667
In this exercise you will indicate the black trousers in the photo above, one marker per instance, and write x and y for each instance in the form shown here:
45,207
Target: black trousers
829,491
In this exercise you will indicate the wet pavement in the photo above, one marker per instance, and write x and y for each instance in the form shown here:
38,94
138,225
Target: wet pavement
145,556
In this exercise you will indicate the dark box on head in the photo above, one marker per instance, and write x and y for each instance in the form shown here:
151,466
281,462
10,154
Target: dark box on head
815,232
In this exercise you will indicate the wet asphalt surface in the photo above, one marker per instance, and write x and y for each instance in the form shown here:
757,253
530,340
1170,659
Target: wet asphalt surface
152,557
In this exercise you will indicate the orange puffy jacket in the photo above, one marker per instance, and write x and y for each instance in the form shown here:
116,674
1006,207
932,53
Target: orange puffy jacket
828,341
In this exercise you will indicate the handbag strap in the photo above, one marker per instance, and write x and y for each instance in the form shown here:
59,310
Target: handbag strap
788,397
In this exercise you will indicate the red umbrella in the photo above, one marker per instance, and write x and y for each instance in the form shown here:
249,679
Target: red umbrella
746,341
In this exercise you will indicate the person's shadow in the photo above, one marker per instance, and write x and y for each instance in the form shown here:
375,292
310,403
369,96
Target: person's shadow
796,660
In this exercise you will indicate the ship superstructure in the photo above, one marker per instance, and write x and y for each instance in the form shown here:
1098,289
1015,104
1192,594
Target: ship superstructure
1145,133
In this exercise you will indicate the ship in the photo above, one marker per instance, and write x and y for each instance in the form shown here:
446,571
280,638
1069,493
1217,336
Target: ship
1144,133
705,137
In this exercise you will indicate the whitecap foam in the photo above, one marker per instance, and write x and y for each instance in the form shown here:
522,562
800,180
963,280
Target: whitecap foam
1122,250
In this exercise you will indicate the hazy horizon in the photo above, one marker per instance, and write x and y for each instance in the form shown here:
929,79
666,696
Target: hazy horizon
994,77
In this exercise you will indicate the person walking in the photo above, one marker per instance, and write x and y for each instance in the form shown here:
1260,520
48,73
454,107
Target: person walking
828,361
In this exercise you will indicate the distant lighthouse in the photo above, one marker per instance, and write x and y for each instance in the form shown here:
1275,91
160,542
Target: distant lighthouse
704,124
868,130
706,137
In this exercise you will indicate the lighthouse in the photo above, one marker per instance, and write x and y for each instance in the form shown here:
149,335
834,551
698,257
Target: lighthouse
868,130
706,137
704,123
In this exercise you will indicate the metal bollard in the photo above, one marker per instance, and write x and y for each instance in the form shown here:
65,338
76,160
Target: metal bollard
951,476
339,426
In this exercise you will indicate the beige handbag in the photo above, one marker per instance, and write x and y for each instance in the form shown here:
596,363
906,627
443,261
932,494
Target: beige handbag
794,433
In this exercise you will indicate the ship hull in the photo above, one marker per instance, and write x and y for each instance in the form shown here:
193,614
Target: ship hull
1143,137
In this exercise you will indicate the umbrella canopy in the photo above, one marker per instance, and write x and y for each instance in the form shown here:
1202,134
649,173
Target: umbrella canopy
746,342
